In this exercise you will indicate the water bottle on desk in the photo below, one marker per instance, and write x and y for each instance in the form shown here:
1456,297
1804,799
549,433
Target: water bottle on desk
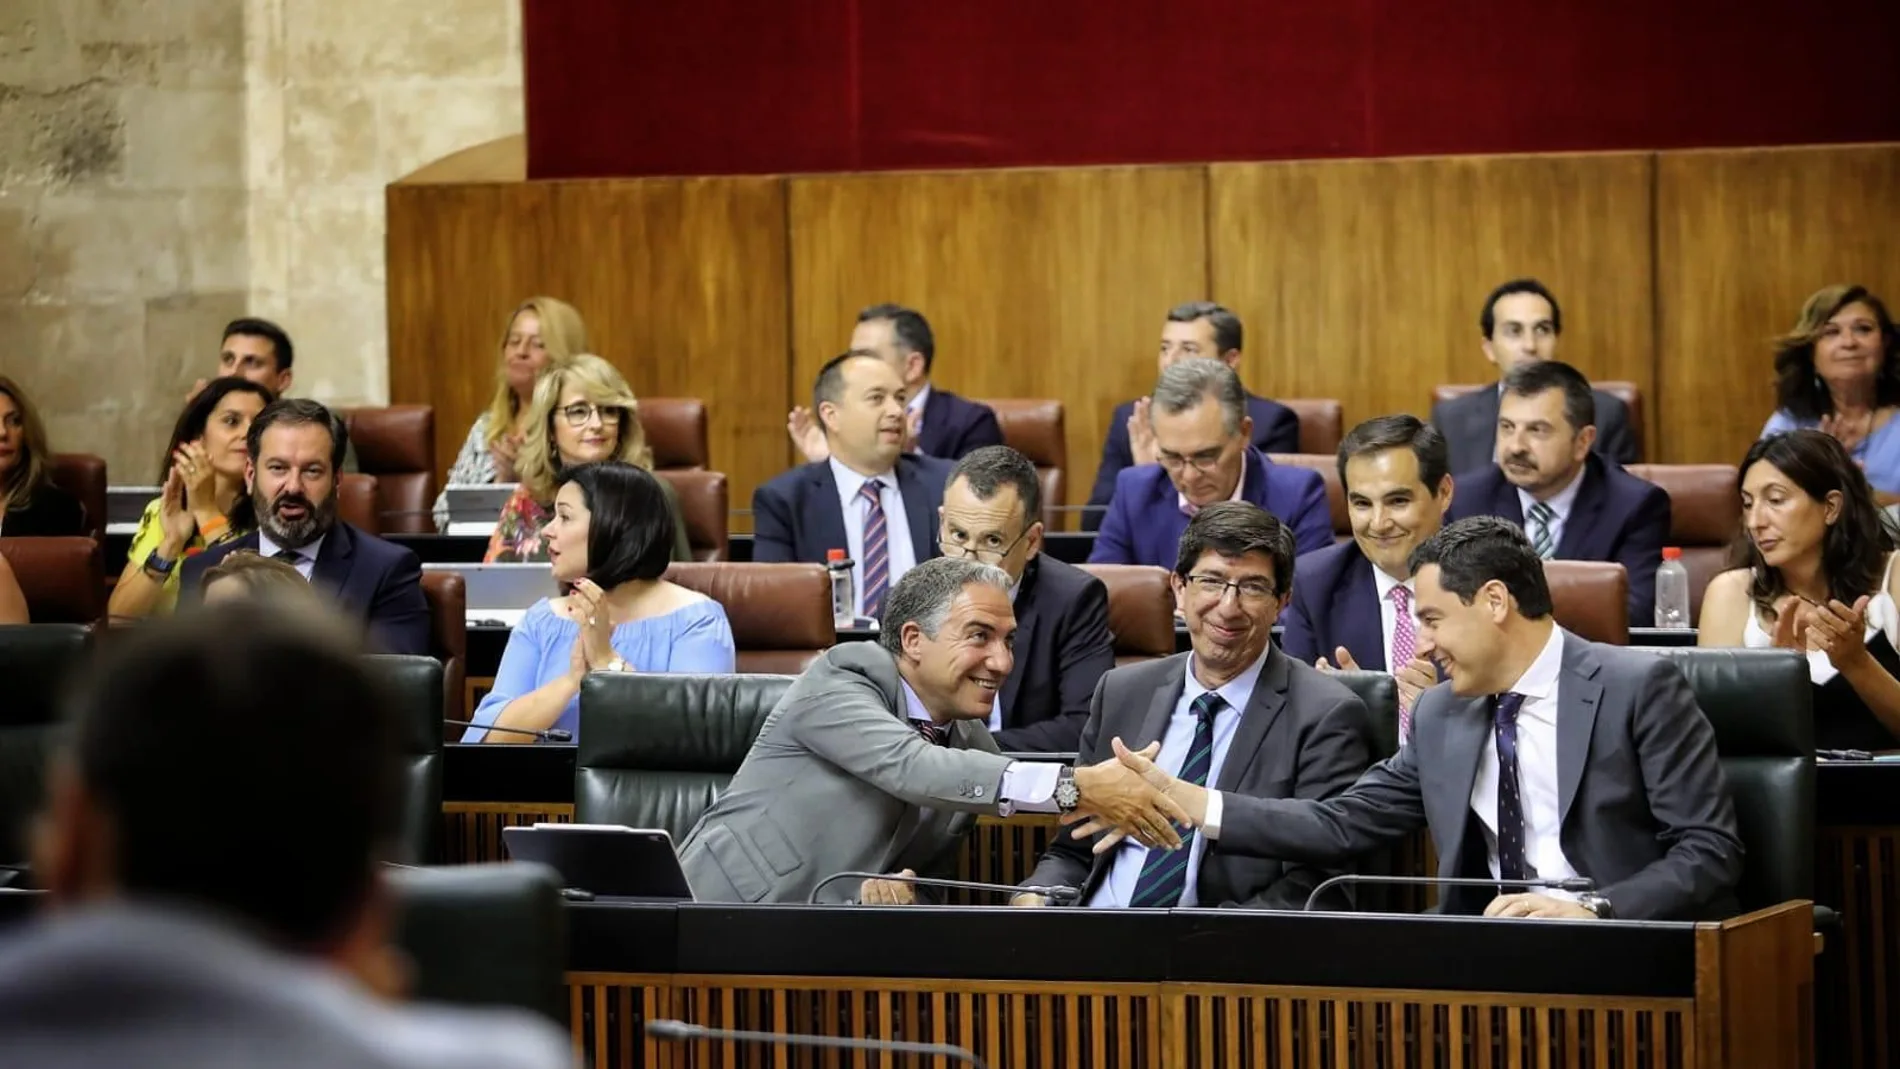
1672,590
844,593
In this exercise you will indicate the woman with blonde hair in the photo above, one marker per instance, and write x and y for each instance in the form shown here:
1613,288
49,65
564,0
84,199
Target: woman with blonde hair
583,412
1838,371
30,505
542,330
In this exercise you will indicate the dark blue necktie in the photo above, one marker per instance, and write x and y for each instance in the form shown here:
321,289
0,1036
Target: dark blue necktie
1511,864
1163,876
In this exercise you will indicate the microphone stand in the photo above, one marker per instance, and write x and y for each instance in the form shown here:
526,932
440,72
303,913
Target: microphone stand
1573,884
547,735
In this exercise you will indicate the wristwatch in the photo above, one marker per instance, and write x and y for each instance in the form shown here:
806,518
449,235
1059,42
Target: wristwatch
1597,904
1068,795
160,568
618,664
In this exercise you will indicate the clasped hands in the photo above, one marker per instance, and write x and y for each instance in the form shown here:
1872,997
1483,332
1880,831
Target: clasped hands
1836,629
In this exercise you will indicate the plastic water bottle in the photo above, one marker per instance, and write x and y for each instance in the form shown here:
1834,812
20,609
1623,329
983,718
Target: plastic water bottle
844,593
1672,590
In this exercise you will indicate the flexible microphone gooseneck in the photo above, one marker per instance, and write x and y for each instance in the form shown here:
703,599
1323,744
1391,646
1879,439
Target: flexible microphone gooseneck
548,735
1061,896
682,1032
1574,884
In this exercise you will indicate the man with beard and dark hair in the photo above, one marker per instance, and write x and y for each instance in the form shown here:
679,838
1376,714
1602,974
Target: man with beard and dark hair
295,449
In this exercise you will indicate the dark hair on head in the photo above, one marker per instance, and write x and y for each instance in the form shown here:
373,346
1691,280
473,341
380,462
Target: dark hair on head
297,412
829,386
1853,551
1478,549
1235,529
1533,377
1227,331
1381,433
192,715
33,466
630,529
1798,390
267,330
993,467
1488,319
197,414
908,327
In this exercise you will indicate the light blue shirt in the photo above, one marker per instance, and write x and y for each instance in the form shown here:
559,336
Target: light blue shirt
1878,454
1125,870
902,556
306,561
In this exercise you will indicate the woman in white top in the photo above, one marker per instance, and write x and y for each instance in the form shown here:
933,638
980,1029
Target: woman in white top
1818,576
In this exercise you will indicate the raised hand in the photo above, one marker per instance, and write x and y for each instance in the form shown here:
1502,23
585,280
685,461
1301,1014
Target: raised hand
808,437
175,522
504,453
888,892
1141,435
1414,678
588,603
1791,623
913,426
1840,631
1850,431
201,480
1345,660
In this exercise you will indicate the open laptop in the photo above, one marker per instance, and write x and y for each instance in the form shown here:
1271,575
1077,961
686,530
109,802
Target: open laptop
605,860
474,507
501,593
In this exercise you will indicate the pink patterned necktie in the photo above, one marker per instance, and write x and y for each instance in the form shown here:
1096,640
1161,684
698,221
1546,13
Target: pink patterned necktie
1404,644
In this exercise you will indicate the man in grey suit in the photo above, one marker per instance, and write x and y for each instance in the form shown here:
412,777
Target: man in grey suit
219,878
1521,323
1545,757
871,757
1235,713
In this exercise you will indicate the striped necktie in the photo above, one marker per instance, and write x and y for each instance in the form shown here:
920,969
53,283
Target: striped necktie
877,550
1164,873
1541,541
1510,816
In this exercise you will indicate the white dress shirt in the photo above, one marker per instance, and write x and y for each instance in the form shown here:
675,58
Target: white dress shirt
1559,502
1389,613
902,555
306,561
1536,773
914,408
1190,509
1125,870
1027,785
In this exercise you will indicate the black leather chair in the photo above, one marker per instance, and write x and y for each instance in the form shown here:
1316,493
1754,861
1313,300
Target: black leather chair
1380,692
36,661
655,750
485,935
415,684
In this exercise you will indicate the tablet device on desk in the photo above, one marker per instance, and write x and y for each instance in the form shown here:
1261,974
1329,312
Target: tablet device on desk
500,593
474,507
607,860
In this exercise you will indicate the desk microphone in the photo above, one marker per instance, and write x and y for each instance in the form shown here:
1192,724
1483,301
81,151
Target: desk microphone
1574,884
682,1032
550,735
1061,896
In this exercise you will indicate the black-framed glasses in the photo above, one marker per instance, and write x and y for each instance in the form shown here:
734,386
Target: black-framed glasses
978,553
1251,591
580,412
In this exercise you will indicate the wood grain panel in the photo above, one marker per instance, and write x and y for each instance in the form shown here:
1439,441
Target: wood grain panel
682,284
1363,280
1036,283
1742,239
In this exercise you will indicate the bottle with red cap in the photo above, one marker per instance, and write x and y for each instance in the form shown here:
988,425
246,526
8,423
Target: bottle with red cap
1672,591
844,593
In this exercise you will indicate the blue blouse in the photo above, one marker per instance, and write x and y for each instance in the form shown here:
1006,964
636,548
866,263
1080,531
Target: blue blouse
691,638
1878,453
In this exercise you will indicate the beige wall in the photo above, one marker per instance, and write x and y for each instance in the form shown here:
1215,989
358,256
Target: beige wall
166,165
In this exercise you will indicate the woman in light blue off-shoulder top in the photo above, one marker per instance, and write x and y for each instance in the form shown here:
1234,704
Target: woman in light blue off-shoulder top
1838,371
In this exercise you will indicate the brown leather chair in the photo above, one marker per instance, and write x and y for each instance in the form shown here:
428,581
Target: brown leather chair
84,476
1590,598
676,432
1034,428
1322,423
704,505
1140,610
397,445
356,502
1626,392
447,595
1328,467
1705,518
64,579
780,613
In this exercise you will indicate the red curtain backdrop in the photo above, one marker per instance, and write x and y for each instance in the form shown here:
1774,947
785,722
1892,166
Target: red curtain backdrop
672,87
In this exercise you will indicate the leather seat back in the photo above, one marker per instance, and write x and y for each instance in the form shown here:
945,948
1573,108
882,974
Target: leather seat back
780,613
396,444
1034,427
1327,464
1322,423
485,935
654,750
447,595
704,507
37,661
84,476
414,684
356,502
1380,692
1590,598
675,428
1140,610
63,579
1705,518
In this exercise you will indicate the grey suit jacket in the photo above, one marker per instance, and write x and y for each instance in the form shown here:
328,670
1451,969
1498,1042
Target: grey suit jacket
1302,735
1469,423
1644,808
838,780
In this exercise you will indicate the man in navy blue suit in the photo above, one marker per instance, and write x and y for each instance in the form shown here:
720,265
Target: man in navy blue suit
940,423
1353,602
1201,431
296,447
868,497
1195,330
1548,481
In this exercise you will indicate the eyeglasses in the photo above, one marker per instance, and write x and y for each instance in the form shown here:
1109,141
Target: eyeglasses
577,415
1204,461
953,548
1214,588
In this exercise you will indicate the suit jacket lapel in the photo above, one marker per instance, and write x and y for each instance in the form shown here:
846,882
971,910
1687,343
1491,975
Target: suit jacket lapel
828,520
1578,696
332,568
1269,697
936,423
1506,503
1161,706
1356,606
1581,523
918,507
1467,731
1025,638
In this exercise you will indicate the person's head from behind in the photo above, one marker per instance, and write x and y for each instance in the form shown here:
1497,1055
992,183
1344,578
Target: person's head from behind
1547,419
992,508
1199,416
1199,330
1478,584
612,523
1843,344
1233,573
296,447
950,624
192,716
1806,506
245,577
1520,324
1396,471
26,465
583,412
258,350
219,418
899,336
859,400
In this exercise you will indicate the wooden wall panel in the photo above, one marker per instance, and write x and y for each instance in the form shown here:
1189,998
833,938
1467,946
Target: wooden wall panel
1362,280
682,284
1036,283
1742,239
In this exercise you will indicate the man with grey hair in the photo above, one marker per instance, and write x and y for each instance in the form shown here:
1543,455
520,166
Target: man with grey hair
1201,431
877,760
